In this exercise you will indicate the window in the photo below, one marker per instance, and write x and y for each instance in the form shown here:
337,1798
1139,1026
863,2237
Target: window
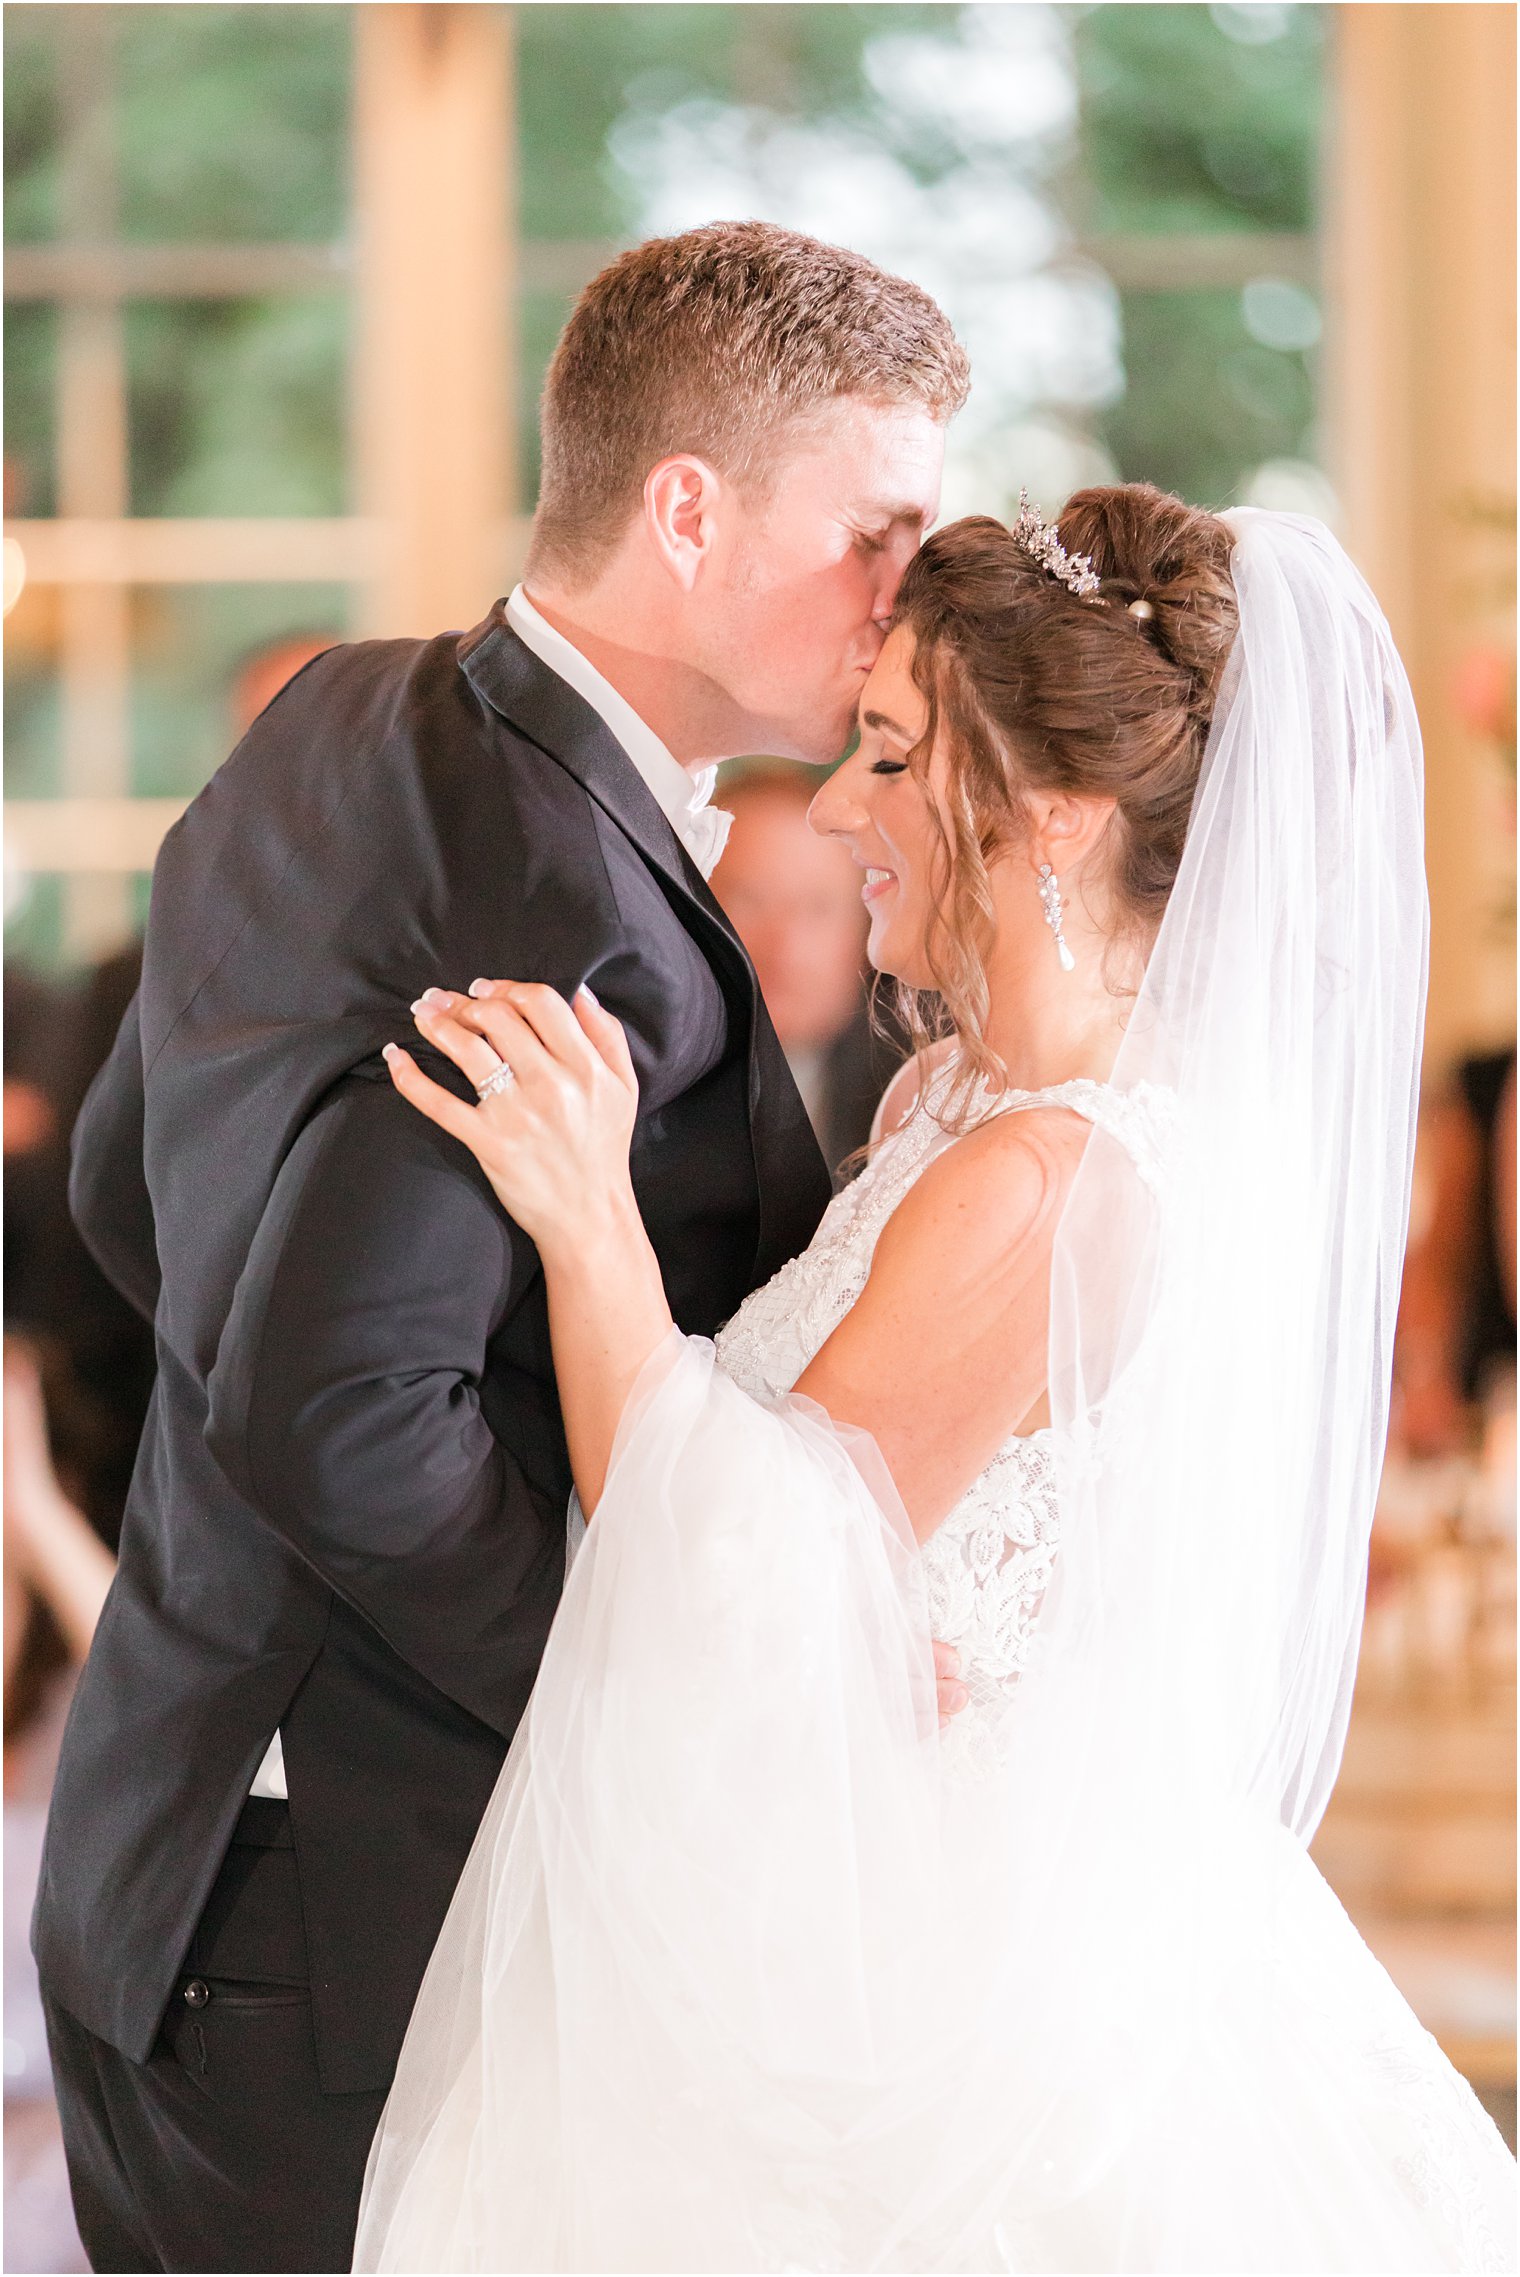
233,327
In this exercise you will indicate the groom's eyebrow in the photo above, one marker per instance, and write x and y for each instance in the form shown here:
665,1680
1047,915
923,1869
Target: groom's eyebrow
888,511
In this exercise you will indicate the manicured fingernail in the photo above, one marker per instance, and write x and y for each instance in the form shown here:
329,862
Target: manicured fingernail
419,1004
480,988
390,1051
435,996
584,990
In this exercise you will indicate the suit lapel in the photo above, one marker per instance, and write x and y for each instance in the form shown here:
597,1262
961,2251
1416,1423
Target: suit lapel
790,1175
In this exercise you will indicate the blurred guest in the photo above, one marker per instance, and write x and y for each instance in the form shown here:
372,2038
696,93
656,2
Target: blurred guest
33,1115
57,1572
794,900
1457,1313
261,675
53,1287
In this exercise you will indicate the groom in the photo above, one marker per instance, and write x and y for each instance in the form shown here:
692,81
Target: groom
345,1539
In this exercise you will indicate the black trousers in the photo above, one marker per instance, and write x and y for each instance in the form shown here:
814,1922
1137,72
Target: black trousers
221,2152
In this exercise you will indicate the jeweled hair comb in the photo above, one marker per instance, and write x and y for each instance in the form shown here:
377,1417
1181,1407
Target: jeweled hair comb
1039,541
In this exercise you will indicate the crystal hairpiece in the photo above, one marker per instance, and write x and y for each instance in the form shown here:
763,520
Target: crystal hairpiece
1039,541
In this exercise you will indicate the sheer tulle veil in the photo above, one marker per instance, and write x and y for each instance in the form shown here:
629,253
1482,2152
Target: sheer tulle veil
1220,1358
736,1977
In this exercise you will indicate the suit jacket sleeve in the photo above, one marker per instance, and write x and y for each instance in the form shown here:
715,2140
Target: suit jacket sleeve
108,1190
344,1400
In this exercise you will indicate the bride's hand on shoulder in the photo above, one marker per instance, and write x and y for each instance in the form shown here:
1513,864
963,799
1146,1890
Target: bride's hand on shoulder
552,1136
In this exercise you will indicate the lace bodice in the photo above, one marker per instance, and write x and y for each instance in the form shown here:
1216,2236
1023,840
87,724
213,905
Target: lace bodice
988,1566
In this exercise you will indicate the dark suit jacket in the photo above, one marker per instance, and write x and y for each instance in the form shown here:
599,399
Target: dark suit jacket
348,1513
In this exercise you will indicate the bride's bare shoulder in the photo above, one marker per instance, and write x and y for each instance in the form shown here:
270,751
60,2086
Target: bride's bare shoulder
902,1093
998,1187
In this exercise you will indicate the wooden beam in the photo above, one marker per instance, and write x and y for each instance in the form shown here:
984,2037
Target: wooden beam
112,272
559,265
196,552
94,658
435,397
102,837
1420,420
1198,262
208,551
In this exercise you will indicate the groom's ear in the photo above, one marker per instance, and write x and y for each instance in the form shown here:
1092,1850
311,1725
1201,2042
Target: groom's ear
681,500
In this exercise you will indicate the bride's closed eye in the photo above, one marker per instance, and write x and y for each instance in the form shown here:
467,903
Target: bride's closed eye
885,766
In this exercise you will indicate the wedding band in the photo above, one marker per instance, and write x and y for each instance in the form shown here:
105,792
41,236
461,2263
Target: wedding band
501,1079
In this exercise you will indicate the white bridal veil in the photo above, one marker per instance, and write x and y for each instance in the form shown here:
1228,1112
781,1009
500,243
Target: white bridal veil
735,1978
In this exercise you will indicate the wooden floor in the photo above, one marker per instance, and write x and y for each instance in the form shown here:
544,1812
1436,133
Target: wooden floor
1419,1845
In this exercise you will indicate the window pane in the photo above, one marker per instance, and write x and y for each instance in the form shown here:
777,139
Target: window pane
1200,118
1205,403
31,126
233,121
206,658
33,743
575,67
34,922
31,365
237,406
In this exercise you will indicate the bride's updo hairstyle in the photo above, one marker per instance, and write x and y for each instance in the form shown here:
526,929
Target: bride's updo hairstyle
1041,689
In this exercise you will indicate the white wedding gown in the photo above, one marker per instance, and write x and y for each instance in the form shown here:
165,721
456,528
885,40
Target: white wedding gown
748,1969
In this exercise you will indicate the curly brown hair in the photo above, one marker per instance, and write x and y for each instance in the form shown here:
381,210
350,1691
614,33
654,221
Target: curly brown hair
1040,689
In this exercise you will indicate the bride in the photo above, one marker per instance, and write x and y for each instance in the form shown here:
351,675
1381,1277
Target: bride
751,1967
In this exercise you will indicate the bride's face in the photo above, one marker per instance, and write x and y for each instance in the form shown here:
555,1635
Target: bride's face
889,816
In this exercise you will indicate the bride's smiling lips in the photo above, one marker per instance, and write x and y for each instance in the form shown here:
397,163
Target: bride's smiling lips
877,883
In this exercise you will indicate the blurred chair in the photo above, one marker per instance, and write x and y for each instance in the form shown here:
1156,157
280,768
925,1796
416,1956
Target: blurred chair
794,900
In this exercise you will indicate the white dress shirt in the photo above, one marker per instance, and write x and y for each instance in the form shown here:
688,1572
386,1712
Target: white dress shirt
683,799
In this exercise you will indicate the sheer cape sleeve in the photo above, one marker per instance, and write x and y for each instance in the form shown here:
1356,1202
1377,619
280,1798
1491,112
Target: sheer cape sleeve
709,1856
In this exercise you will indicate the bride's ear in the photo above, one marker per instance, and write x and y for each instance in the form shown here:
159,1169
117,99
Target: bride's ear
1063,829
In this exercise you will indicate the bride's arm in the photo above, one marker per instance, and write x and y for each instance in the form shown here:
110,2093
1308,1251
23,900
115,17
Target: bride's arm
555,1148
944,1355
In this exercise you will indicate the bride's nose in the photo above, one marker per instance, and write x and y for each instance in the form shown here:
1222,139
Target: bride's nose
836,812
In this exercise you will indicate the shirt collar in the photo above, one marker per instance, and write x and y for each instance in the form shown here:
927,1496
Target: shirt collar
682,797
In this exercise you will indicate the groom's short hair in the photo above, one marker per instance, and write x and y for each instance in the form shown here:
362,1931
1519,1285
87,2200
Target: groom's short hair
716,342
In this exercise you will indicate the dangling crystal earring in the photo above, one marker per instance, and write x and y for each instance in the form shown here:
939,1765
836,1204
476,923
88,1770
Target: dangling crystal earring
1050,894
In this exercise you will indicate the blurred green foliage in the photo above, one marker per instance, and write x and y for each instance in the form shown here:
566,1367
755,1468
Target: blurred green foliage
230,123
237,407
1197,118
1216,403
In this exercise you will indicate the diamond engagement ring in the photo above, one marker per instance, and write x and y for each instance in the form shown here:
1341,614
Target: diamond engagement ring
501,1079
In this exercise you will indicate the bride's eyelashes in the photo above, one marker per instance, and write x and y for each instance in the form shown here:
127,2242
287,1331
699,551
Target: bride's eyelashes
889,766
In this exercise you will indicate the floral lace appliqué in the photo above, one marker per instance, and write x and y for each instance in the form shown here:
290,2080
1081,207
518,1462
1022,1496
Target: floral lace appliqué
988,1567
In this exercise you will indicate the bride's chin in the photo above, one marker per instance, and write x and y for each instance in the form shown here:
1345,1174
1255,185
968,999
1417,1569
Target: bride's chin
908,966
